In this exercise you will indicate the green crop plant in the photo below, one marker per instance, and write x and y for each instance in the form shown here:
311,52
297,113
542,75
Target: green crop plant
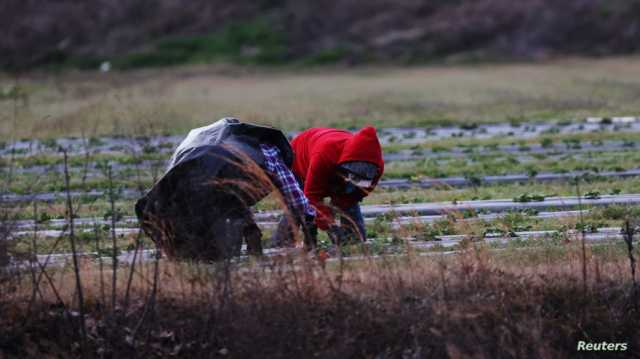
546,142
529,197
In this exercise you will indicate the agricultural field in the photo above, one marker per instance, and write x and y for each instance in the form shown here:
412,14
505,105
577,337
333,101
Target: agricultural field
510,191
153,102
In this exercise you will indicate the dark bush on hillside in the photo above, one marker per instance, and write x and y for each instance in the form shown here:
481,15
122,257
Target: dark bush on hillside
167,32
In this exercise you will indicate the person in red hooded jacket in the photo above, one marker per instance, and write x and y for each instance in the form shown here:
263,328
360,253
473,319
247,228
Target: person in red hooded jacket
341,166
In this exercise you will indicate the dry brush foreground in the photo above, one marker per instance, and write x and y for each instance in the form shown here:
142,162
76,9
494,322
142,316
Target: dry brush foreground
476,303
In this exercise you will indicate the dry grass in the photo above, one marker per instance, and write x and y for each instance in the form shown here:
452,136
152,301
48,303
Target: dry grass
173,100
473,304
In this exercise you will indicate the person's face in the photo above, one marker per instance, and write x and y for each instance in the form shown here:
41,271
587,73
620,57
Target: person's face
350,183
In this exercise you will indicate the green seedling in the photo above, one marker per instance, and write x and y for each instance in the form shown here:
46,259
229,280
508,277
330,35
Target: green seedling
409,135
473,179
469,126
572,143
592,195
492,147
19,151
532,172
118,215
546,142
106,252
551,131
49,143
515,122
589,227
523,147
95,142
590,177
44,217
529,197
148,149
469,213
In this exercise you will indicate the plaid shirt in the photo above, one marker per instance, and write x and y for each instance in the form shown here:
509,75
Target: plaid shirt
286,181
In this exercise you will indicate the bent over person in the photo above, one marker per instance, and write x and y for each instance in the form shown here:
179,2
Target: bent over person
200,208
341,166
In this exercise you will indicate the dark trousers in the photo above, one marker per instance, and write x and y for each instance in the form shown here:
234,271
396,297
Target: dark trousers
355,214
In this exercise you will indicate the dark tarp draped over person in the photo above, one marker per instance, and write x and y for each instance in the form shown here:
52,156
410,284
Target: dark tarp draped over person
200,208
325,158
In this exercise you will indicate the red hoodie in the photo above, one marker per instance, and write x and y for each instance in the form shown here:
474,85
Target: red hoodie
319,151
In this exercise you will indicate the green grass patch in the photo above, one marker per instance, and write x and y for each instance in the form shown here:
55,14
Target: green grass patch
253,42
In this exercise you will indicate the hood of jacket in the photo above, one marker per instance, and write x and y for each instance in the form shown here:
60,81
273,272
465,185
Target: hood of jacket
363,146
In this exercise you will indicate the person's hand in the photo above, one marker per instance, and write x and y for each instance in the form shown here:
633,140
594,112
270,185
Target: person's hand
343,235
310,231
335,234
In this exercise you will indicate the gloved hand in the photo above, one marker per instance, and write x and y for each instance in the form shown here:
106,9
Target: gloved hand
310,232
335,233
342,235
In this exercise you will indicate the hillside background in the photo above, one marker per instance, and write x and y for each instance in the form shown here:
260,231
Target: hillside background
143,33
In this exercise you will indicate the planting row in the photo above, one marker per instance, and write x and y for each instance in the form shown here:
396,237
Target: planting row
525,202
54,226
514,129
433,211
93,172
96,162
370,250
124,190
407,136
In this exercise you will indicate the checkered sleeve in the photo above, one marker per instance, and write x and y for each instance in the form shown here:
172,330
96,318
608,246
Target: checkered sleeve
286,181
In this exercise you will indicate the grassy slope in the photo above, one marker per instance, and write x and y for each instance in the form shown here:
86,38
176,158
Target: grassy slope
173,100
